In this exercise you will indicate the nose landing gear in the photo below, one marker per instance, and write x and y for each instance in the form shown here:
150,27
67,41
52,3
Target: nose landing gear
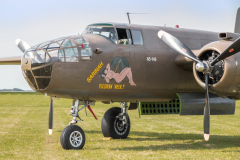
72,136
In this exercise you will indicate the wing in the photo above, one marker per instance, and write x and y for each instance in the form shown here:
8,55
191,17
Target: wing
11,60
23,46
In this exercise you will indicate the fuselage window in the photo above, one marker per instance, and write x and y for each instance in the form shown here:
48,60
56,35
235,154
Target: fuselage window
106,32
71,52
86,51
137,37
124,36
129,36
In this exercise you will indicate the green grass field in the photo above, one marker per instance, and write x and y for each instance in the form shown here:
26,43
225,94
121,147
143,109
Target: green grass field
24,133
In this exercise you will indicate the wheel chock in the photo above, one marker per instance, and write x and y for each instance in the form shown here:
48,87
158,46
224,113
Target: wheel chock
107,138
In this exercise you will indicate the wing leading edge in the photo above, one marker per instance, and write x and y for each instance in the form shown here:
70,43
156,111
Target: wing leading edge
11,60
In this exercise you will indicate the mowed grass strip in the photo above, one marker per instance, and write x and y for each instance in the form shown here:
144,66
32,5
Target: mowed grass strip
24,133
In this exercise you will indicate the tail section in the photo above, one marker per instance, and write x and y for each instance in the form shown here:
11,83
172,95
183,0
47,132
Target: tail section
237,23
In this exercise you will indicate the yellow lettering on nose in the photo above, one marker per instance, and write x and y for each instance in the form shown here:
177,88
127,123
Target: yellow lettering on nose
89,79
110,86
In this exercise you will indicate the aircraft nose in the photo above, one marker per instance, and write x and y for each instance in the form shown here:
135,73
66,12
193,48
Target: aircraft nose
37,75
38,61
37,67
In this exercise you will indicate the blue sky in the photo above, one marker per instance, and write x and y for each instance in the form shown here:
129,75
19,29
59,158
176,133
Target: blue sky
41,20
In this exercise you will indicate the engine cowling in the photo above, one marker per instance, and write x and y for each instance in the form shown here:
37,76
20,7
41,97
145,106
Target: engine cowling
224,79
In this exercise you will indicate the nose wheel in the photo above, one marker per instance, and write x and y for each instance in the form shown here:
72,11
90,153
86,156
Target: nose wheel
72,137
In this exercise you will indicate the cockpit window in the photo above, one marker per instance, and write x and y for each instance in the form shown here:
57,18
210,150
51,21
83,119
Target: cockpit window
137,37
124,36
86,51
71,52
104,31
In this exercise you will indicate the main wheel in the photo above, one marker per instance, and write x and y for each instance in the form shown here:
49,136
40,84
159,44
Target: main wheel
112,126
72,137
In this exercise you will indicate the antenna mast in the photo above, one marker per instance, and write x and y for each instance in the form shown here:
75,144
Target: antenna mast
128,18
133,13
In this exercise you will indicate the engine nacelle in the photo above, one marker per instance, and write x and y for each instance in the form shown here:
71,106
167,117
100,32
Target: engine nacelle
225,78
193,104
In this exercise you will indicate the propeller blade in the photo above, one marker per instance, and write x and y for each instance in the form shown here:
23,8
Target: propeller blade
23,46
50,120
206,117
177,45
230,50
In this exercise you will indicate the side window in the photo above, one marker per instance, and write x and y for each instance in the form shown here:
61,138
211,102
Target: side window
129,36
137,37
86,51
70,50
124,36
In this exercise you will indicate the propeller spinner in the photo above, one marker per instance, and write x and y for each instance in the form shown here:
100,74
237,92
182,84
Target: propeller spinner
201,66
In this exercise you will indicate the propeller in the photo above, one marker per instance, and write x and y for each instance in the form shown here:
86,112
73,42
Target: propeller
50,120
177,45
206,112
230,50
201,66
23,46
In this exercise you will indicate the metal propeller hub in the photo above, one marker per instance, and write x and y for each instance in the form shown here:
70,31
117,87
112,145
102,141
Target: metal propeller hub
203,67
215,71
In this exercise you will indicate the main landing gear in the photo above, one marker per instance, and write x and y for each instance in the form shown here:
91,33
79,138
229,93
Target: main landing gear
72,136
116,122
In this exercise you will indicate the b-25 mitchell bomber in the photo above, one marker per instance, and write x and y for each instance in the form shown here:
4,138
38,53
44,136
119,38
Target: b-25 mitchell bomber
157,70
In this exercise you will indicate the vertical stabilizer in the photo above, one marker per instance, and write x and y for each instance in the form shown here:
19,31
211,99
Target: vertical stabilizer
237,23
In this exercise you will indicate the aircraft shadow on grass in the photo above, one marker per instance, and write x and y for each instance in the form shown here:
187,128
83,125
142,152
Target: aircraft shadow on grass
191,141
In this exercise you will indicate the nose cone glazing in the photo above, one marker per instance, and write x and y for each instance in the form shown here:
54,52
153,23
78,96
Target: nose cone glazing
37,62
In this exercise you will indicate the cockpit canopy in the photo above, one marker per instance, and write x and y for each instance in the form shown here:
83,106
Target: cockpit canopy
120,34
105,30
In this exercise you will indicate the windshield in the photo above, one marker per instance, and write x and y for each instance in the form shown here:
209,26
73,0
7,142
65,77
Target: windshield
104,31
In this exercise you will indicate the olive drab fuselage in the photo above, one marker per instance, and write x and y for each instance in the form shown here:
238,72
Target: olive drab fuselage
121,72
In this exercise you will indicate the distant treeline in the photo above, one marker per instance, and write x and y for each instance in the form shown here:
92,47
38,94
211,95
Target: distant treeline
25,92
14,90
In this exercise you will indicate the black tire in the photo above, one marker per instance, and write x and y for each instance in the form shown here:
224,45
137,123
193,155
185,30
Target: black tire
109,123
70,131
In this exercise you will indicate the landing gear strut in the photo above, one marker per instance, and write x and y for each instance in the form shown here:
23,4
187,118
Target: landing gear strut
116,122
72,136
